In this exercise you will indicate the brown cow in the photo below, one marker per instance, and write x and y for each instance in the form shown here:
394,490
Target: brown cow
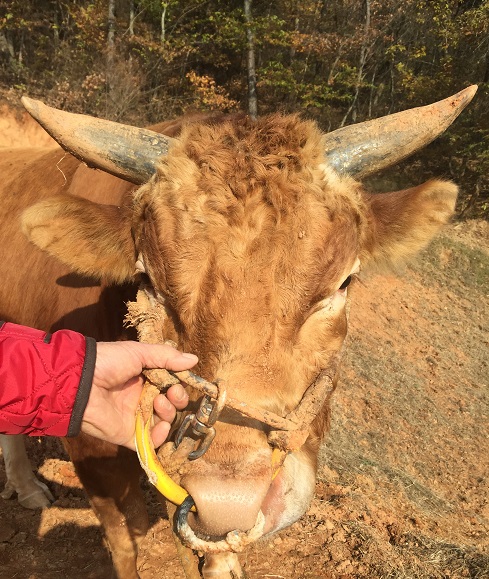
247,233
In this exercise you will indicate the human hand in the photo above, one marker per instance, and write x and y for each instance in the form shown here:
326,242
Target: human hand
117,386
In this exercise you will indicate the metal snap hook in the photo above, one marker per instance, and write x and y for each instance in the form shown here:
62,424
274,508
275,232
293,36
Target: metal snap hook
206,433
201,423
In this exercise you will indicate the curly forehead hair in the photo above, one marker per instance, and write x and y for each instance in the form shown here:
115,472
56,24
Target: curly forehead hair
239,165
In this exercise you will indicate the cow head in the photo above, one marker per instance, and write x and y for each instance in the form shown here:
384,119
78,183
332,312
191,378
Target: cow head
249,233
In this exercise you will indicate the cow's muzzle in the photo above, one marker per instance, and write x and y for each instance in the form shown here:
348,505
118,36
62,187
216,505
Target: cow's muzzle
286,434
234,541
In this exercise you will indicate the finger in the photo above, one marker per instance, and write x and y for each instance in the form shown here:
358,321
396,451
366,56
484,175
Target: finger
161,356
164,409
178,396
159,433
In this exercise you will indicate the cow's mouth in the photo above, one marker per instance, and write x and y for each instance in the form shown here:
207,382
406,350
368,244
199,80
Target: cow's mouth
234,541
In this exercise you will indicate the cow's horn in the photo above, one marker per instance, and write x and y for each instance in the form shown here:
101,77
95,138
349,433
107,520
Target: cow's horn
370,146
127,152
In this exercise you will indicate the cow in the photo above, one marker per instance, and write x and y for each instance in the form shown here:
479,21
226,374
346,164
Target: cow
244,236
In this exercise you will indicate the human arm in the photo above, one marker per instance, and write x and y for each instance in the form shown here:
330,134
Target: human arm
46,384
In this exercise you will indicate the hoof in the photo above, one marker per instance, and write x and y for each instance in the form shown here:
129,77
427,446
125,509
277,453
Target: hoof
34,495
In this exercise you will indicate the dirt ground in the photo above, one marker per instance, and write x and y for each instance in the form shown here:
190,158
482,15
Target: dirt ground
18,129
402,490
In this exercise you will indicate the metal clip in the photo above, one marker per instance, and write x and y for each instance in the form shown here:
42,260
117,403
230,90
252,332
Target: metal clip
201,423
198,429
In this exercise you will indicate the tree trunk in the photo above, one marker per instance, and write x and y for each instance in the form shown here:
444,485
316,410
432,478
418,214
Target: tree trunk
6,44
361,64
250,35
164,6
132,17
56,28
110,34
486,72
20,54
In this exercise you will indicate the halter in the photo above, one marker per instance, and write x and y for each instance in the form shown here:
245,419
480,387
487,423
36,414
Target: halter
287,433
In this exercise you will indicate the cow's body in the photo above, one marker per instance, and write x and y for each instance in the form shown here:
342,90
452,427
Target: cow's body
246,236
59,298
51,297
47,295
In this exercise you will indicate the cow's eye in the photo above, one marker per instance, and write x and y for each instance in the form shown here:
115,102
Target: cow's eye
346,283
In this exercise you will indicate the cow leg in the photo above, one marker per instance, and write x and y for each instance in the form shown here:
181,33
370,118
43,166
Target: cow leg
110,476
222,566
188,559
31,492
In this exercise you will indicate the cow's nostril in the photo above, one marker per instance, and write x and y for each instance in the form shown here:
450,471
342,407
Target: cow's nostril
224,505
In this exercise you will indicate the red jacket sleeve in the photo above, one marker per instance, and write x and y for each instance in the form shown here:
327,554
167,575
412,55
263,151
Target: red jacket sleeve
45,380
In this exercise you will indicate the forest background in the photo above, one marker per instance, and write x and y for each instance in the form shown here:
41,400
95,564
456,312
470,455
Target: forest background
335,61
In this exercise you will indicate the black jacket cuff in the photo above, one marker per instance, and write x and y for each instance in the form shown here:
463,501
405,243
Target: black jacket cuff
84,388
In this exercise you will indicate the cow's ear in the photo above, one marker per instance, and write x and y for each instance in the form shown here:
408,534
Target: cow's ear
404,222
92,239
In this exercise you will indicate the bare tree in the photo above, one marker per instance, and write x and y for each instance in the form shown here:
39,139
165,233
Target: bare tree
361,64
250,36
132,17
6,44
110,34
164,6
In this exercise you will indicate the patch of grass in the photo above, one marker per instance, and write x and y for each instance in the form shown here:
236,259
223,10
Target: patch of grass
454,265
439,559
416,556
349,463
